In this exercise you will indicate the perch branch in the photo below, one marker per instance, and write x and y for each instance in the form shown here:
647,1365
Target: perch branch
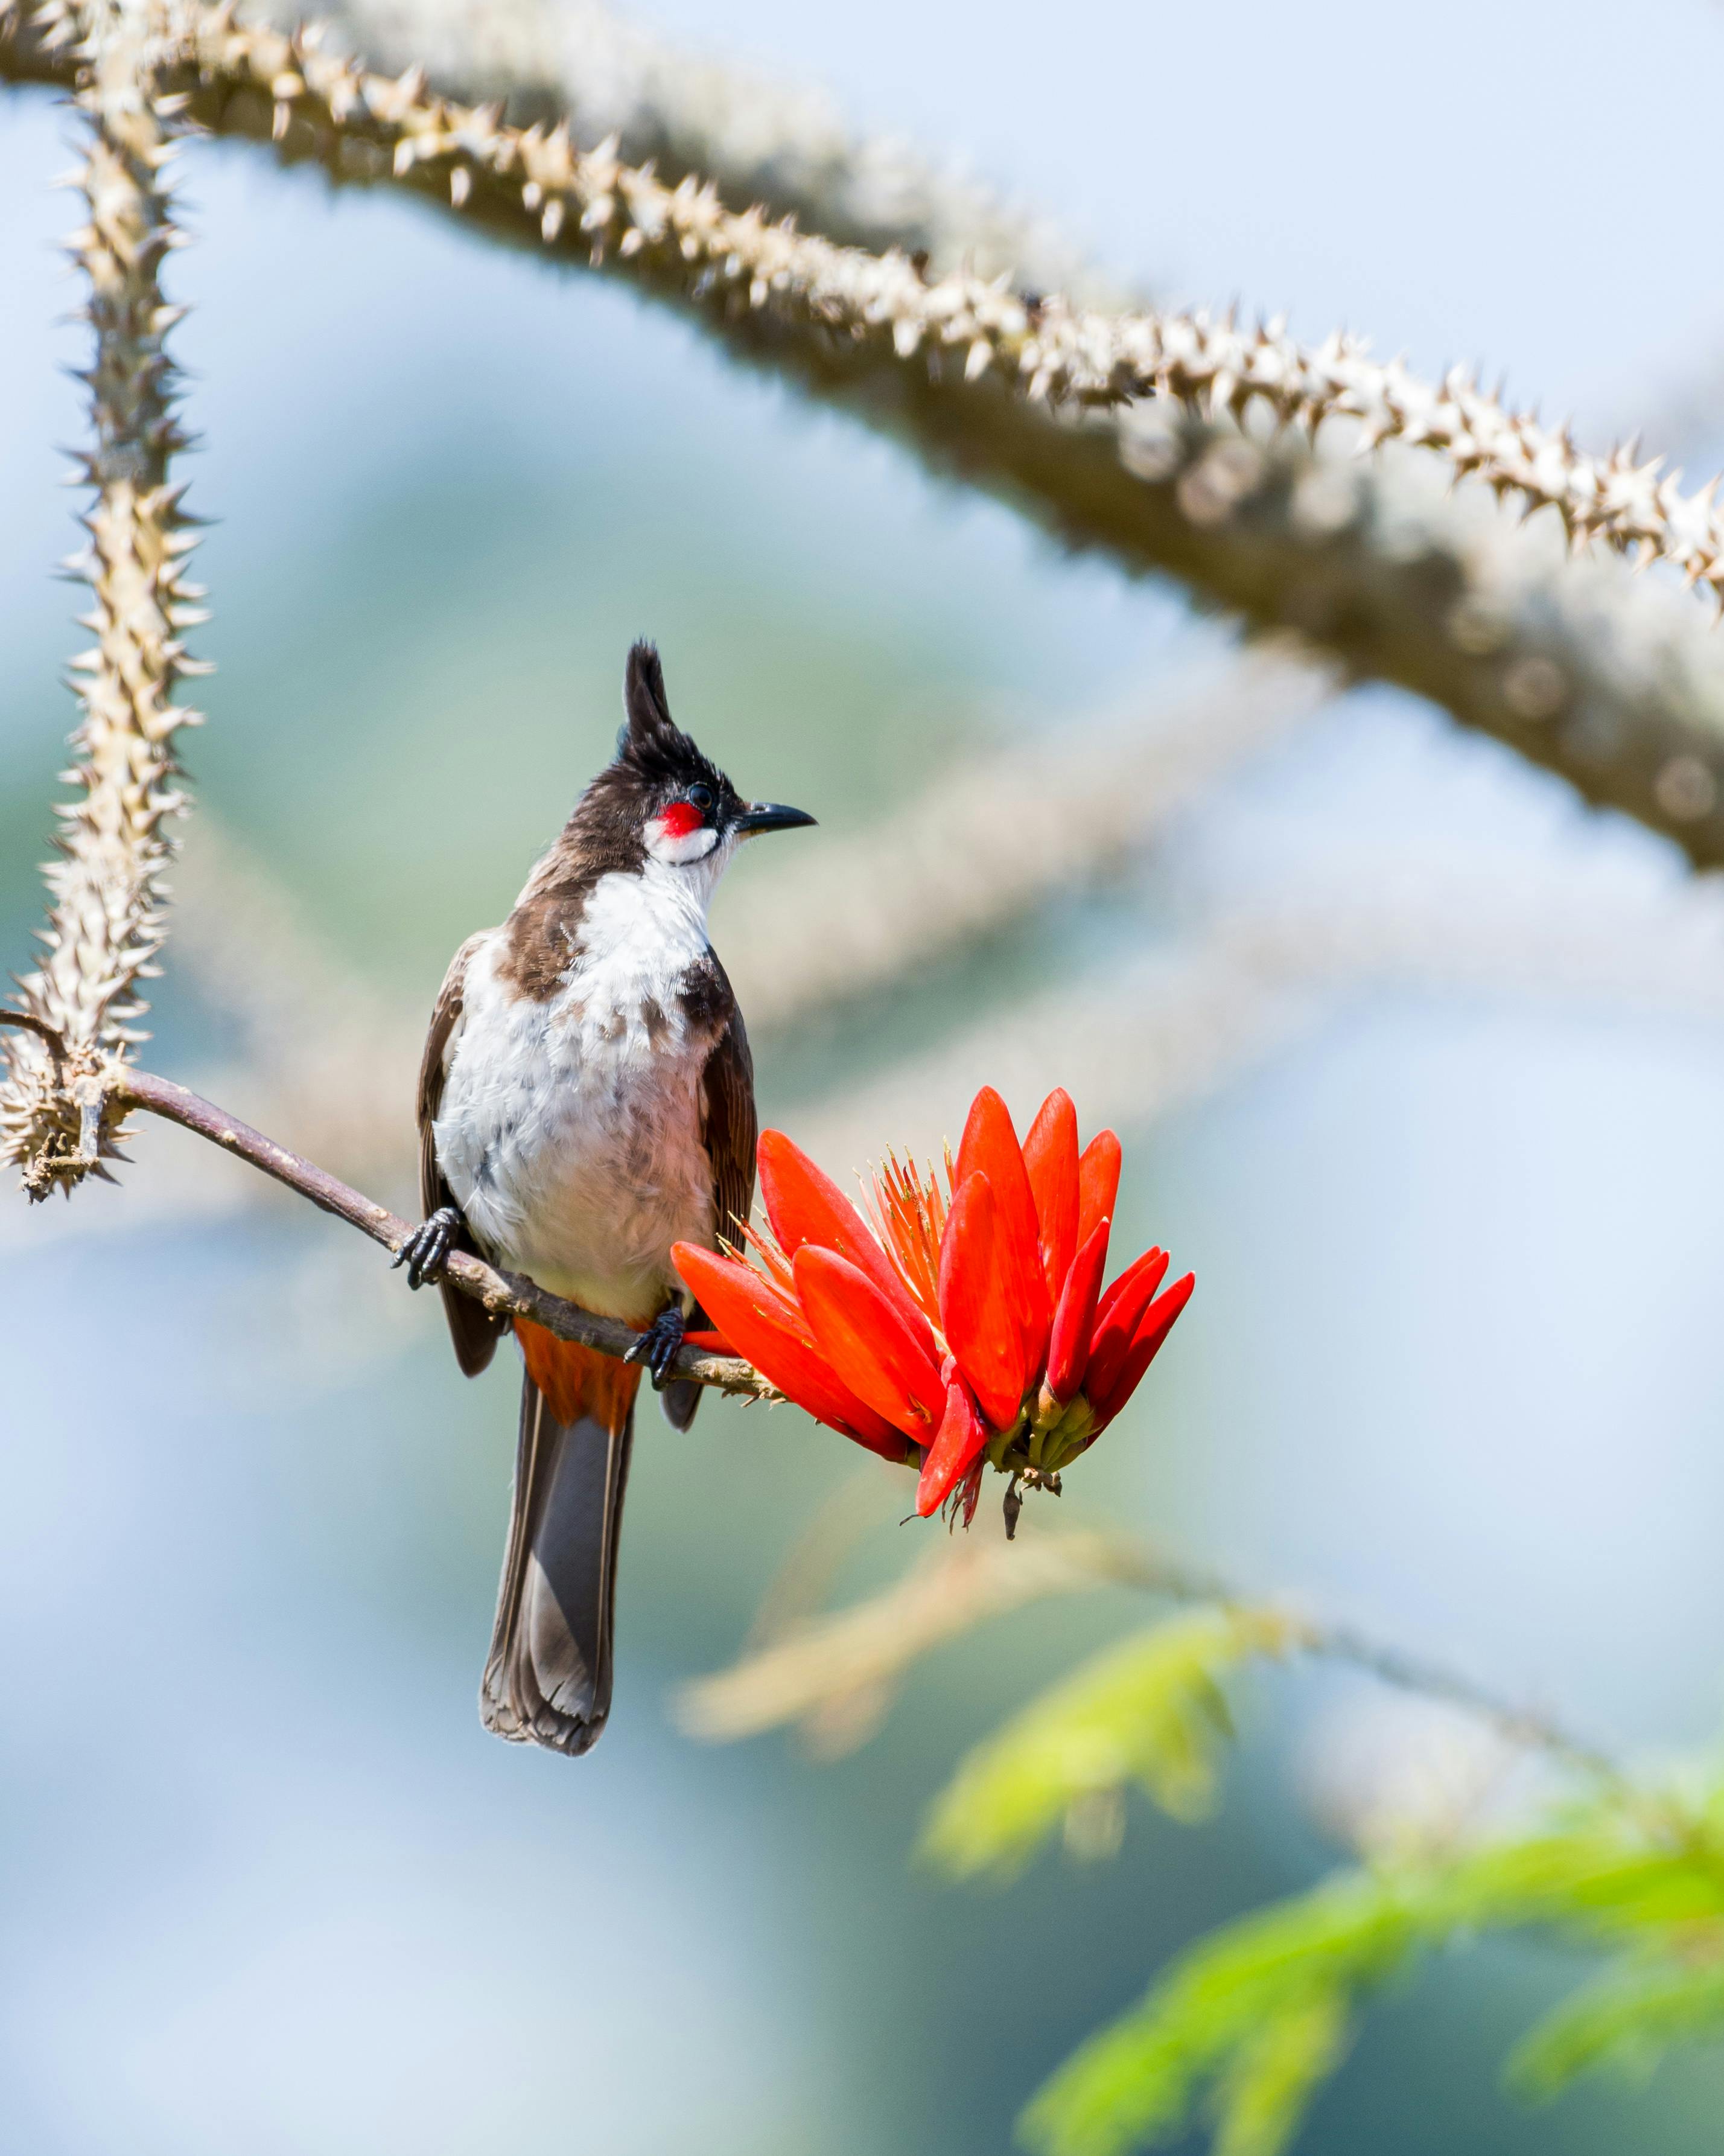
104,920
503,1294
1617,687
867,1648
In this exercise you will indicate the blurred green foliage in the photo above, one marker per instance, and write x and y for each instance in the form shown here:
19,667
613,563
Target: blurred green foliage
1245,2025
1151,1710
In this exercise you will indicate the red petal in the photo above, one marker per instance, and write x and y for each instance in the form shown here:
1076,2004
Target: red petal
963,1435
1156,1324
709,1343
769,1329
868,1344
1117,1325
990,1148
805,1205
1098,1182
975,1307
1129,1279
1074,1320
1051,1157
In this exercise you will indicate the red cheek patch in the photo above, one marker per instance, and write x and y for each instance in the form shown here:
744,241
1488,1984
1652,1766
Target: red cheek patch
679,819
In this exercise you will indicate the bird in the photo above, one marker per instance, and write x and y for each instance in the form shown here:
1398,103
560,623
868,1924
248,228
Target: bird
586,1101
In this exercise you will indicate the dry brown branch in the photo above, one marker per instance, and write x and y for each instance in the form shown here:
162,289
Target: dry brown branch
504,1294
1617,688
104,922
863,1652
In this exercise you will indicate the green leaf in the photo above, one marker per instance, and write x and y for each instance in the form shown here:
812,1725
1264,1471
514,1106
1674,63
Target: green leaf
1623,2024
1606,1876
1259,2009
1275,2073
1150,1710
1257,2014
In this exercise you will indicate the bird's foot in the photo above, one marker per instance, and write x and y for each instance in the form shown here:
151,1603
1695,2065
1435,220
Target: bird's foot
425,1252
657,1347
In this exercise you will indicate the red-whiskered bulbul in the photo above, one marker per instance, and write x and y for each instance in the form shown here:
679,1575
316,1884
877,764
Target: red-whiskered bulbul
586,1099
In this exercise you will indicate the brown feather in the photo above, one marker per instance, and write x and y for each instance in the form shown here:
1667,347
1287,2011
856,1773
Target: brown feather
474,1330
730,1127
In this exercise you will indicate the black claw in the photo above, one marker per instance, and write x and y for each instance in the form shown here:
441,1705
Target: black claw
658,1345
425,1252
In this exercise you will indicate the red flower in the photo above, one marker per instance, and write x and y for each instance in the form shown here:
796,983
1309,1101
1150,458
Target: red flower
966,1328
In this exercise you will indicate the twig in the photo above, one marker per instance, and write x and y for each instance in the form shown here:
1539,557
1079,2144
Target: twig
49,1036
1411,1673
504,1294
868,1647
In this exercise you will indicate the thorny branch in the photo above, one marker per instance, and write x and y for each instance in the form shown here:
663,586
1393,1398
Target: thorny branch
1617,688
859,1653
504,1294
104,923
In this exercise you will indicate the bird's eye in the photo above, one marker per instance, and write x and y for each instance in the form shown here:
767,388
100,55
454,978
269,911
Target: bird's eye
700,796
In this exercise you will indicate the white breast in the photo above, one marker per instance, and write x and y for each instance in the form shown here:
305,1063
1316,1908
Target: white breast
570,1130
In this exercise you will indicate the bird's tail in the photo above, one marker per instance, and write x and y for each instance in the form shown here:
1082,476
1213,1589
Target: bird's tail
548,1678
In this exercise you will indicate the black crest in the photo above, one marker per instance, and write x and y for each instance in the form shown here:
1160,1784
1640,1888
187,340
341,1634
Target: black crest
651,744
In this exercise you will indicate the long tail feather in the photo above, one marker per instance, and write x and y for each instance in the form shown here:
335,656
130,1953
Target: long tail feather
548,1677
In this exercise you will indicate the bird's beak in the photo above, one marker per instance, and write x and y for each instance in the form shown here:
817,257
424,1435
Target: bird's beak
769,816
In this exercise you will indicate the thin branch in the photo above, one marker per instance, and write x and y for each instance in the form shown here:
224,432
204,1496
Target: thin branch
104,922
509,1295
1616,686
866,1648
1413,1673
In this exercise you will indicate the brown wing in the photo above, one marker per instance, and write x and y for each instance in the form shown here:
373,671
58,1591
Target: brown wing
472,1328
730,1127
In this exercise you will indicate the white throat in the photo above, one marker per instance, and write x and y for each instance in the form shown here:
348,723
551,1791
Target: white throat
641,930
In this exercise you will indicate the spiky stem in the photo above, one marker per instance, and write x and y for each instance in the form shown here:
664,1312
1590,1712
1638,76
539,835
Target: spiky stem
104,923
